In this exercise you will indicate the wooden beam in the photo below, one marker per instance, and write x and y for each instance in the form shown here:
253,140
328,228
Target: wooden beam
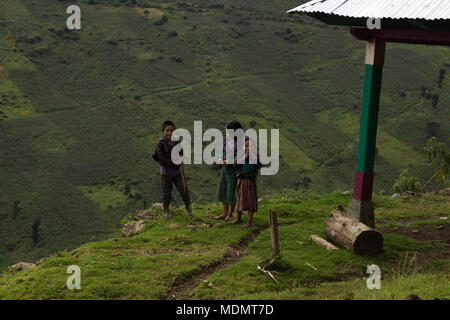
403,36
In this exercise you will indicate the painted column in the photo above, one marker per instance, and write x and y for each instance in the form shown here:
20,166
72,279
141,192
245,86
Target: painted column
361,206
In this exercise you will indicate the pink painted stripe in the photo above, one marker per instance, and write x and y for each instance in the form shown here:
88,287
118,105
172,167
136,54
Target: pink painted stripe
363,186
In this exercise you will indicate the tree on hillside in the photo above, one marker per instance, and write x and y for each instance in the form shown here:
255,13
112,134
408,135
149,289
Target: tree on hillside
441,77
439,157
407,182
432,129
35,230
16,208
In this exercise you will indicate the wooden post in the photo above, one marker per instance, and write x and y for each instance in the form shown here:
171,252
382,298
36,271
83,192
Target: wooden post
273,226
361,206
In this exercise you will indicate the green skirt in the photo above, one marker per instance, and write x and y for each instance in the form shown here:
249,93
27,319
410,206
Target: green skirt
227,185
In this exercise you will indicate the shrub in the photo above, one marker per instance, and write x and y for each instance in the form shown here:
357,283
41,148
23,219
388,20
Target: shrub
441,77
435,99
35,230
432,129
16,208
172,33
406,182
439,157
424,90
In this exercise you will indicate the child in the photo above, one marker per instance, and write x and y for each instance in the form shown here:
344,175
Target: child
228,181
170,172
246,192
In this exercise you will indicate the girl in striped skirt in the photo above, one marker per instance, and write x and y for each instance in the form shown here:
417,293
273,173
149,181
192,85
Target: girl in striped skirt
246,191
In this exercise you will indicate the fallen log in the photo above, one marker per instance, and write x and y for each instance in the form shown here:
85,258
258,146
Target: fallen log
323,242
353,235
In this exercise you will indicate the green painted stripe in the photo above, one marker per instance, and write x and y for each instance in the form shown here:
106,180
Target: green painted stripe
369,118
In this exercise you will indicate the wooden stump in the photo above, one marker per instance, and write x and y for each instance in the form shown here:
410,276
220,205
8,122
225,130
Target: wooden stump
273,226
353,235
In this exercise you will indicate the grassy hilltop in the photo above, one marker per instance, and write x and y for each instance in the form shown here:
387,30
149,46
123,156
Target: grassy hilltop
197,257
80,111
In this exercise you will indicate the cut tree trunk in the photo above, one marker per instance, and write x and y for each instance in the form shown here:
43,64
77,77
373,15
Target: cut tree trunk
353,235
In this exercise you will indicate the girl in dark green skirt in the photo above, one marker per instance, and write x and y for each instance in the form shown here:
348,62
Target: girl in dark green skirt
228,180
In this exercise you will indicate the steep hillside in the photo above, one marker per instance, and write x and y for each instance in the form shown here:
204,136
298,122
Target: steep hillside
198,257
80,111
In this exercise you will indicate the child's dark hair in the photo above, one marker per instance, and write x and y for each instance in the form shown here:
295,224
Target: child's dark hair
167,123
234,125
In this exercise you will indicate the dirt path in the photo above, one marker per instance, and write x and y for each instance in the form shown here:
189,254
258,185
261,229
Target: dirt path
182,290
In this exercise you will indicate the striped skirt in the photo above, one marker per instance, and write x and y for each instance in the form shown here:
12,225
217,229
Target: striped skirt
246,195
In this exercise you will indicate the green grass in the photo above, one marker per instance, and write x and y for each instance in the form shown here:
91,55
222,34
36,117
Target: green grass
294,272
107,196
167,252
427,286
84,108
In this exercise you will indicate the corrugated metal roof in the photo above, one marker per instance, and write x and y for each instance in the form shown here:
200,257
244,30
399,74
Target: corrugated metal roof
394,9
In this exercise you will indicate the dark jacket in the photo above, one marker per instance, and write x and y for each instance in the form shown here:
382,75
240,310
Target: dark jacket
162,153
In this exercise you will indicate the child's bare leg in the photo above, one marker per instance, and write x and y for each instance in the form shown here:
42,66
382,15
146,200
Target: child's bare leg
250,220
230,212
225,212
238,218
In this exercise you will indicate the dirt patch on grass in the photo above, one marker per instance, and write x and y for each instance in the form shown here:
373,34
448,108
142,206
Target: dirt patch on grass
198,225
424,233
427,234
423,258
182,290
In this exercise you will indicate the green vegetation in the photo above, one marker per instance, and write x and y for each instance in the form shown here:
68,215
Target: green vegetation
407,182
198,257
80,110
439,158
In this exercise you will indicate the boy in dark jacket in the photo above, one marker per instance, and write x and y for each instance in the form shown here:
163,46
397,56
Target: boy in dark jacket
170,172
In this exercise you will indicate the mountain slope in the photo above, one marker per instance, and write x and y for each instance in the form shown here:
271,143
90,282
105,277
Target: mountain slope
81,111
197,257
